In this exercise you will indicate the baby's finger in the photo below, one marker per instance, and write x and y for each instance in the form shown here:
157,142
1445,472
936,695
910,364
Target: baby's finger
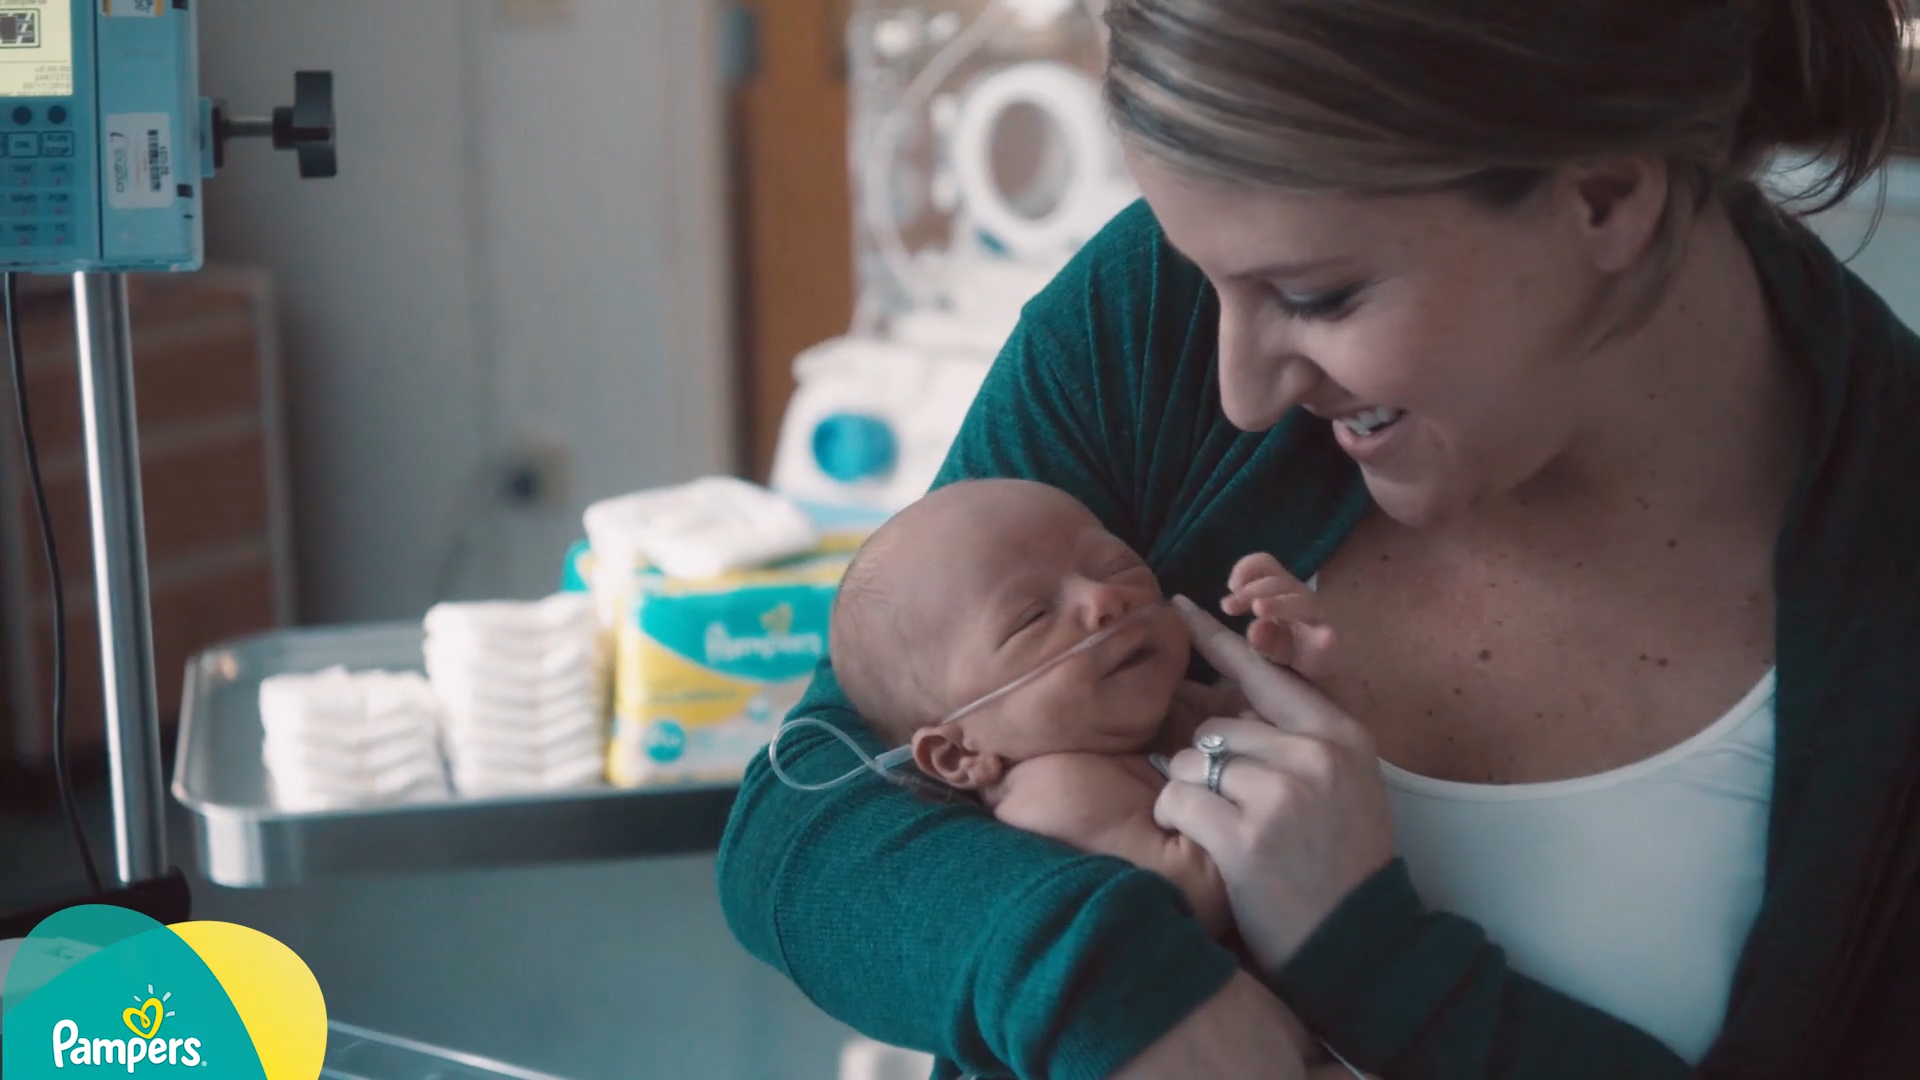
1313,650
1280,697
1292,608
1273,641
1253,567
1236,604
1272,585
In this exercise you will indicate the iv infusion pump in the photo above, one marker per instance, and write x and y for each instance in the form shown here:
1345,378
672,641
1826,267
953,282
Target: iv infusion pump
105,145
105,141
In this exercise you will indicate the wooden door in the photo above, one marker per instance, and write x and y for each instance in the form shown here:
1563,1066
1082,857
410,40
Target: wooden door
792,206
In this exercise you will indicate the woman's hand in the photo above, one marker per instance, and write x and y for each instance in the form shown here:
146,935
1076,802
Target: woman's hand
1302,818
1194,704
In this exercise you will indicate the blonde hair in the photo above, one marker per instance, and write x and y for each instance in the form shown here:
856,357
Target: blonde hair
1382,97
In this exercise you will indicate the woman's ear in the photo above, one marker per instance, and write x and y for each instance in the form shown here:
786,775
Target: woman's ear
1621,202
940,751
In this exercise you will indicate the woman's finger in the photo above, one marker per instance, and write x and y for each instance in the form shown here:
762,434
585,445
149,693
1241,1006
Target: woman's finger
1281,697
1258,758
1190,809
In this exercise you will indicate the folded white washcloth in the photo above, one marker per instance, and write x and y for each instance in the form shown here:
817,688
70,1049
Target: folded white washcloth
521,690
338,739
699,529
510,622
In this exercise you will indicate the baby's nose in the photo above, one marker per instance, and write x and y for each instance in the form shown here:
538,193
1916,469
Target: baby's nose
1106,604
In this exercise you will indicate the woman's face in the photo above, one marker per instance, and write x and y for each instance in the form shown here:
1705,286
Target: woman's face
1439,337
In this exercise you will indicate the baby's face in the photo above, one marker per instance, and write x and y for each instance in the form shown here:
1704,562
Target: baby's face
1025,575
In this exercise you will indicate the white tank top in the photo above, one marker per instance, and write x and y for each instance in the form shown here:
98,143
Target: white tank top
1632,890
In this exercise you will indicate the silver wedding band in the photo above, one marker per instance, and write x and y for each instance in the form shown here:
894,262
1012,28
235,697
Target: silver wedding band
1215,747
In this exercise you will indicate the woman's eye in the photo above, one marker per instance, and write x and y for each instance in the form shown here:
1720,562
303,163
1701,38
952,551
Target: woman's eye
1320,306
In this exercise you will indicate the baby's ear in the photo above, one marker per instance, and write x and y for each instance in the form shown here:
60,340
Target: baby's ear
941,752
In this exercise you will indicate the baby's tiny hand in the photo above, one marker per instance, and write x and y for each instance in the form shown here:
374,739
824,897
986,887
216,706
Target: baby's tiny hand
1288,625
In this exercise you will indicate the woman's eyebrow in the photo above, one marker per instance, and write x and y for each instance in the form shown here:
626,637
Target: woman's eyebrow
1282,269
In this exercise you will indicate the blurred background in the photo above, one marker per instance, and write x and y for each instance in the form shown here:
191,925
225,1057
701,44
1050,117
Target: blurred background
574,249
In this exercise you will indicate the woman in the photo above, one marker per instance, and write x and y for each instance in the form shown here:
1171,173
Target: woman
1471,312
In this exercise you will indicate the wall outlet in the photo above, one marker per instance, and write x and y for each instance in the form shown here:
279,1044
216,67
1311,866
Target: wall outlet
533,475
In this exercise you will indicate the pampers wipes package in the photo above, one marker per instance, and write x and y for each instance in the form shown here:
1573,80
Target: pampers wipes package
707,668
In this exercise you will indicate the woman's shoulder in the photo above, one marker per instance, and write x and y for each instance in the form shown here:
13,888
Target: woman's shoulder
1134,283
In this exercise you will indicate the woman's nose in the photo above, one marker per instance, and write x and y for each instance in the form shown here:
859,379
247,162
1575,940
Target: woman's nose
1262,372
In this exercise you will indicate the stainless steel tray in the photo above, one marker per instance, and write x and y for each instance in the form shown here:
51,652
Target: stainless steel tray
355,1053
243,841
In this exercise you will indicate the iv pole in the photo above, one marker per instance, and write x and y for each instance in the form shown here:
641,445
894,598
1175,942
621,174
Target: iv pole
121,592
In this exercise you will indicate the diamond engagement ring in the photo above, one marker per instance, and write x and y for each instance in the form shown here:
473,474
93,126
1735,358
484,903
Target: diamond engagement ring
1215,747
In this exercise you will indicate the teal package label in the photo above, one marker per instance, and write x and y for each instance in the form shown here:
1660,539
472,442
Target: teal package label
766,634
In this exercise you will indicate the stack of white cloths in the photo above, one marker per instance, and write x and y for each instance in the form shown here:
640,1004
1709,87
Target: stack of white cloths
338,739
521,691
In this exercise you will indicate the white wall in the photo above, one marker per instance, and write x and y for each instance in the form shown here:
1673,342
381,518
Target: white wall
1890,260
525,240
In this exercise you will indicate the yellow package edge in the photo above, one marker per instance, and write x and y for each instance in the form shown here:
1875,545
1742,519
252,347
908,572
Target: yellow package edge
676,718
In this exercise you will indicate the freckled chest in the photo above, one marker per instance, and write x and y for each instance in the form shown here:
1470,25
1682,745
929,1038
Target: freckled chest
1508,669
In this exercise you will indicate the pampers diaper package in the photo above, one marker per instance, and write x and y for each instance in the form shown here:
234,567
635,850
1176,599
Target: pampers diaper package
714,598
706,668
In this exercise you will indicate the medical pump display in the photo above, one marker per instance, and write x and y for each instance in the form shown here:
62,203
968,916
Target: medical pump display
105,142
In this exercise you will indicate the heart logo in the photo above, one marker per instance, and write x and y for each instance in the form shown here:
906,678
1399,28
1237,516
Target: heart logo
779,620
134,1018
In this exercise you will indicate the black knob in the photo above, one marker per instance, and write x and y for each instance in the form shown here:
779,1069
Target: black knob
307,127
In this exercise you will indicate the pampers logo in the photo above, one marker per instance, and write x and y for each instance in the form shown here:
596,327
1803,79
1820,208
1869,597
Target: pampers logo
778,640
210,1001
70,1047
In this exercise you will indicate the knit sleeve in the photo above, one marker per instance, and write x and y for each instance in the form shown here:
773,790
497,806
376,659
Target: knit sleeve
927,924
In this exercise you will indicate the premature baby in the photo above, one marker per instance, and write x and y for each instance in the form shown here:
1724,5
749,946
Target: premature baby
983,582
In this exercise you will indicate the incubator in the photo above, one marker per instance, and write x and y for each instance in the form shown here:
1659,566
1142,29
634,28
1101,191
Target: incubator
980,162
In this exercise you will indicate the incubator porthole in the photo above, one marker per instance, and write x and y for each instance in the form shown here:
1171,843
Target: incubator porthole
944,193
945,111
1030,164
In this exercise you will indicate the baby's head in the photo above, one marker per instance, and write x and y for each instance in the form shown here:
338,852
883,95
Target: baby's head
978,584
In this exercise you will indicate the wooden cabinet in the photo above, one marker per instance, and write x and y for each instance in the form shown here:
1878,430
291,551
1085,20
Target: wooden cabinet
793,215
213,468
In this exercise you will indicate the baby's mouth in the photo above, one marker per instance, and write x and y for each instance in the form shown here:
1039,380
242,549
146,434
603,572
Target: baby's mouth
1134,658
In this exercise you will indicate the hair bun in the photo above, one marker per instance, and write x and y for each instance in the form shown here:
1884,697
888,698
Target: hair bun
1828,77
